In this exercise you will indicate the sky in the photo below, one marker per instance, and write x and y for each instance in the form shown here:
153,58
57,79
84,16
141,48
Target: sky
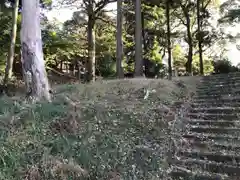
64,14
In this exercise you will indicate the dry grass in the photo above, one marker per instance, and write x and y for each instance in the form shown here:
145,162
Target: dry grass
118,129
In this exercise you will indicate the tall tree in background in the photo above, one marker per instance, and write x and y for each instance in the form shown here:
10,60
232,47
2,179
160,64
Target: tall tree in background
199,36
34,72
10,58
204,36
119,68
187,8
138,70
91,61
168,3
92,8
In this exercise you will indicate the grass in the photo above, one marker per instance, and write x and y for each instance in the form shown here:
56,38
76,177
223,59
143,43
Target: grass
116,129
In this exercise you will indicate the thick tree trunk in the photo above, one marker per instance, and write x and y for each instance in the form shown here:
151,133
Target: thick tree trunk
10,58
34,71
91,48
190,46
119,68
169,40
199,38
138,71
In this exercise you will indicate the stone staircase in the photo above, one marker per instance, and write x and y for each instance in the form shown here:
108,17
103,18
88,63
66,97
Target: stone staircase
212,151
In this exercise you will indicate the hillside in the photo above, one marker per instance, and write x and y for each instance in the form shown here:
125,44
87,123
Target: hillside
104,130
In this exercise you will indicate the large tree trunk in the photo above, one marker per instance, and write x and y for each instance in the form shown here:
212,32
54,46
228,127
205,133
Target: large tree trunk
169,40
199,38
138,71
10,58
34,71
119,68
91,48
190,46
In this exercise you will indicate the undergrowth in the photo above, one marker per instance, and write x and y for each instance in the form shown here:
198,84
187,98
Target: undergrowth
106,130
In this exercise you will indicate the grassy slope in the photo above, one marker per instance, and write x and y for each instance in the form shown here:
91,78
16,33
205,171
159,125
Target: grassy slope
104,130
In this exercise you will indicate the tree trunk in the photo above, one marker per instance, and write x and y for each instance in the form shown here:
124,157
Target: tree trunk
91,47
143,36
199,38
119,68
190,46
34,71
10,58
138,70
169,40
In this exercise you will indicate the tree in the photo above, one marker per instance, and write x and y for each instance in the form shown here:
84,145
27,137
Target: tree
119,40
204,36
179,62
138,70
168,3
178,59
10,58
199,39
229,11
92,8
32,54
153,36
91,40
188,7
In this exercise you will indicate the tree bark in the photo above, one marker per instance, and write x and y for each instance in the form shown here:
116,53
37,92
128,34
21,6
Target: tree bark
199,38
10,58
169,40
91,44
119,68
190,45
138,70
34,71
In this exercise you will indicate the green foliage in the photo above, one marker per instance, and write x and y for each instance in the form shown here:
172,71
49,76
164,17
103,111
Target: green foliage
69,42
179,61
207,65
154,54
224,66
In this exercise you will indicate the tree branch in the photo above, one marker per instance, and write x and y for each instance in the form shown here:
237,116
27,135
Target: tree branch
101,4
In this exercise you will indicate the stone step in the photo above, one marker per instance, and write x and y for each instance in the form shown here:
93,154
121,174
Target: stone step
194,136
217,97
219,123
211,85
209,88
219,82
183,173
218,92
215,105
218,101
215,130
222,76
213,96
215,116
211,145
225,110
213,167
227,157
220,79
